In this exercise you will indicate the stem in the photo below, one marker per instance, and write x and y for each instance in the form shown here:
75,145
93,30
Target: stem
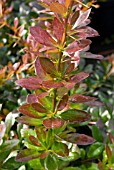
54,100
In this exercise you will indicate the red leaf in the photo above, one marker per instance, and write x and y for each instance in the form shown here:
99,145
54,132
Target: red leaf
95,103
39,70
38,107
2,130
53,123
92,56
108,152
79,77
70,68
28,110
63,102
86,32
82,18
31,98
78,98
41,36
48,66
79,139
58,8
58,29
52,84
34,140
30,83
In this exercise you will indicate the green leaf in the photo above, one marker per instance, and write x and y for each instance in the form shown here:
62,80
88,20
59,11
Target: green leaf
50,163
29,121
74,115
95,150
60,149
97,134
35,164
11,164
26,155
9,145
72,168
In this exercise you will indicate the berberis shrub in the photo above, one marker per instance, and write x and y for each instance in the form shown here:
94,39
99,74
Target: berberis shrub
52,111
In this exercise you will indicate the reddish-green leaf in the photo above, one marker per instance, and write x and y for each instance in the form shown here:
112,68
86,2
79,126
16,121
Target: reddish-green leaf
38,107
48,66
39,70
92,56
77,116
31,98
28,110
27,155
108,152
79,139
34,140
31,83
79,77
60,149
29,121
53,123
58,8
58,29
41,36
52,84
79,98
63,102
75,17
70,68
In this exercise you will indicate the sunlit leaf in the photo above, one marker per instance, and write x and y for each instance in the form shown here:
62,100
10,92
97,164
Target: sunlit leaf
58,8
2,130
77,116
50,163
52,84
31,98
26,155
79,77
39,70
60,149
34,140
53,123
63,102
38,107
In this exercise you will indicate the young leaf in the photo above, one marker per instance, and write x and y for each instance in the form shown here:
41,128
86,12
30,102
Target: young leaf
58,8
31,98
28,110
31,83
41,36
73,115
34,140
50,163
60,149
26,155
48,66
39,70
79,77
82,18
52,84
63,102
58,29
79,98
29,121
79,139
53,123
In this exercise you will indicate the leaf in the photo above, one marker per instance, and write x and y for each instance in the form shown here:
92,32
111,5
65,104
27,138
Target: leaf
50,163
97,134
75,17
79,77
108,152
58,8
72,168
41,36
28,110
29,121
34,140
79,98
82,18
52,84
58,29
53,123
63,102
77,46
31,98
38,107
8,145
95,150
86,32
31,83
92,56
67,3
2,130
77,116
70,68
95,103
79,139
39,70
48,66
26,155
60,149
9,121
11,164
